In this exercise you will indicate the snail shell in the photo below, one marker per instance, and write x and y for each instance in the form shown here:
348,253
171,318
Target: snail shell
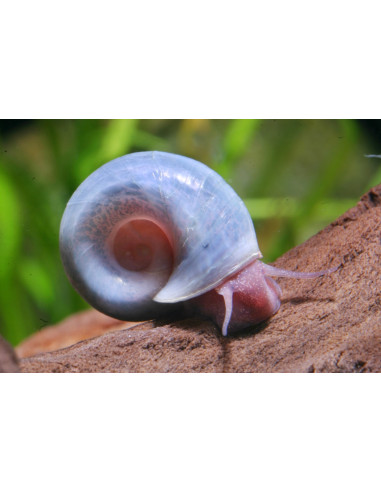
151,229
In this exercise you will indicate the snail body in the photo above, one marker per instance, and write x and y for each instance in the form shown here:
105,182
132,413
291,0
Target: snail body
151,229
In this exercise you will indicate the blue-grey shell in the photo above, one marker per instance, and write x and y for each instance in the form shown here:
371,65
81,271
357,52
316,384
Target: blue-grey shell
212,232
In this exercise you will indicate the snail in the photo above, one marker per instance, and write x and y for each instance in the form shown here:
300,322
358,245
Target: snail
152,229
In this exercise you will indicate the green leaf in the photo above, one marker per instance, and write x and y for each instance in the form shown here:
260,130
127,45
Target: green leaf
10,225
236,142
37,282
117,138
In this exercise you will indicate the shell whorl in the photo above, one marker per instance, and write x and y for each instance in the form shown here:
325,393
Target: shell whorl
205,222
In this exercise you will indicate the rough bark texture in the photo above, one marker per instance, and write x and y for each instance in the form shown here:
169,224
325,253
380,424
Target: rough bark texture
329,324
8,359
81,326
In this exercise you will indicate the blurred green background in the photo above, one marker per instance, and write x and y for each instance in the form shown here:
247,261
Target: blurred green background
295,177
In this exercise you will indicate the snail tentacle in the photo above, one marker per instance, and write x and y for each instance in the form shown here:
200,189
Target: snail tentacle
279,272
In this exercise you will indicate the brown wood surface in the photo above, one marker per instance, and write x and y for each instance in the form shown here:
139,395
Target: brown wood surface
329,324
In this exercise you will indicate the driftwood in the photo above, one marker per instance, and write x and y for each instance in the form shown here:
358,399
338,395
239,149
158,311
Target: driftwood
329,324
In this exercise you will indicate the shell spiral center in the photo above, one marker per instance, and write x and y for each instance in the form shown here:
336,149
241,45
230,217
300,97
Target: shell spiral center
140,244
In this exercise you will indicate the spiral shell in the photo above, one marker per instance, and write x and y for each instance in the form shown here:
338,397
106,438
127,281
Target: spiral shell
153,228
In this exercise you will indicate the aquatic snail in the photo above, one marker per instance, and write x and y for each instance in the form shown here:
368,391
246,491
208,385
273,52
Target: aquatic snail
151,229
